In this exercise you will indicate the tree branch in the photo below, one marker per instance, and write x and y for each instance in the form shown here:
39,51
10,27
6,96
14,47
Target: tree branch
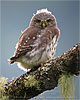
44,78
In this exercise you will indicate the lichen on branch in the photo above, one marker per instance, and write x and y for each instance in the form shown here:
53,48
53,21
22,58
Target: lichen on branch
3,95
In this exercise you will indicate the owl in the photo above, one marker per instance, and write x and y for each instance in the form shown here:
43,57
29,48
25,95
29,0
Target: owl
38,42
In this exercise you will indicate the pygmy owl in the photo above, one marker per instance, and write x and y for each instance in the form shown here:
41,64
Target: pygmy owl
38,42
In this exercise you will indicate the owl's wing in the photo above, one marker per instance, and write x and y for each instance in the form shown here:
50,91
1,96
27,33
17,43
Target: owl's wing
53,33
57,32
25,43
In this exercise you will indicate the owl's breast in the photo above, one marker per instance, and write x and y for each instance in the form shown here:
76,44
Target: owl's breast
43,50
51,48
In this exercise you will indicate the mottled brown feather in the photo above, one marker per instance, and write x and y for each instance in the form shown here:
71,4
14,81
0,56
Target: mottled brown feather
23,46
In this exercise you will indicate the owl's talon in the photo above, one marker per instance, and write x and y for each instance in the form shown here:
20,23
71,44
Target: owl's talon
42,64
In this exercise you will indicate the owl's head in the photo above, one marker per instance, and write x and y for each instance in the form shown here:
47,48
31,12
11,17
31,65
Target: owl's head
43,18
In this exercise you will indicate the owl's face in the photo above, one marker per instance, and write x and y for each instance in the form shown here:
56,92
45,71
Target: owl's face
43,20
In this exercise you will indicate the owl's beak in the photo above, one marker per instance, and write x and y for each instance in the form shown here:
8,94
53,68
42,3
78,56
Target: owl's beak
43,24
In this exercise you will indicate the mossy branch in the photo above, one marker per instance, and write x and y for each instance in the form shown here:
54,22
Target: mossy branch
44,78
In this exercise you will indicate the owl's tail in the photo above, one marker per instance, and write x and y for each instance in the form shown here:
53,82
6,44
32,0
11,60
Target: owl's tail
12,60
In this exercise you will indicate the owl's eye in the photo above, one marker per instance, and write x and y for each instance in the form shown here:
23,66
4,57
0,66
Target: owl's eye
49,20
37,21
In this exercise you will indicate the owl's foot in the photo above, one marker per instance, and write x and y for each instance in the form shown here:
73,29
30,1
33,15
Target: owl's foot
42,64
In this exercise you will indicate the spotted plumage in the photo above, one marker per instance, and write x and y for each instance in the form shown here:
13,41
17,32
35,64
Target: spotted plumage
38,42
